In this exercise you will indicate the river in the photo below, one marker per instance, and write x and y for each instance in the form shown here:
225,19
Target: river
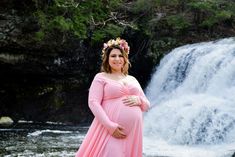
28,139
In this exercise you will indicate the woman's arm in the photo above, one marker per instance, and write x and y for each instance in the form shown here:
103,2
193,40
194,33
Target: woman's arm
143,101
138,99
95,99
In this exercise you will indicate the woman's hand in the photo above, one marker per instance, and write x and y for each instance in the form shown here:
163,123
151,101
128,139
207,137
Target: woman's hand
131,101
118,133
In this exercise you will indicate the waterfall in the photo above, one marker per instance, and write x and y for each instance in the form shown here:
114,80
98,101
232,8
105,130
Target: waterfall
192,93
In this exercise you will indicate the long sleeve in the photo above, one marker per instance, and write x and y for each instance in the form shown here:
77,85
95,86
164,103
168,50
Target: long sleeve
95,99
144,103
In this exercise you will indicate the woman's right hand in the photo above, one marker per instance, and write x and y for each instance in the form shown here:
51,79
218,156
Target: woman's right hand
118,133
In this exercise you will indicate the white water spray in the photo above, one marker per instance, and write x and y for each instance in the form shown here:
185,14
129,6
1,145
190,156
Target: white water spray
192,94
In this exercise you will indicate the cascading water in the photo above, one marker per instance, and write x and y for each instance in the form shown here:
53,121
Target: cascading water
192,94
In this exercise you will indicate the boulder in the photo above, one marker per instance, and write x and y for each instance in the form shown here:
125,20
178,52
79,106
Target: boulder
6,121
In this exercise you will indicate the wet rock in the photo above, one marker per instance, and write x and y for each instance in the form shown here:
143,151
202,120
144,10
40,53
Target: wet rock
233,155
6,121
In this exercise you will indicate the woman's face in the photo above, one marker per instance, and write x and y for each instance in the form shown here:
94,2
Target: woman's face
116,60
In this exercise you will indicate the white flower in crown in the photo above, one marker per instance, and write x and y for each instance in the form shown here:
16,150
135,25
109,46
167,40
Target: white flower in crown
105,45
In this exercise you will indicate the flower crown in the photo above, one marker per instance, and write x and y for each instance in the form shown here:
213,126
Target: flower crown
118,42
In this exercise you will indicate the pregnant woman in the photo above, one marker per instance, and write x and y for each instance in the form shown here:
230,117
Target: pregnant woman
117,101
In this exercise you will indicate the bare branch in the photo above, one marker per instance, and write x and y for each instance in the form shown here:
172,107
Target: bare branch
112,17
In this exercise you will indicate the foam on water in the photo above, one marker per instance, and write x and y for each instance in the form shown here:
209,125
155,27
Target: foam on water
39,132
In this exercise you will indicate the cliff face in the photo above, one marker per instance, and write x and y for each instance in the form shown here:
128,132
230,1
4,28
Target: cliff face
41,81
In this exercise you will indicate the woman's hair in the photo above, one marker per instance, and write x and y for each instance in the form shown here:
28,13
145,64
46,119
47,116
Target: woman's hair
105,67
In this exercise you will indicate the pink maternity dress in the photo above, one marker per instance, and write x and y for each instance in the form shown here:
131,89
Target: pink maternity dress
105,102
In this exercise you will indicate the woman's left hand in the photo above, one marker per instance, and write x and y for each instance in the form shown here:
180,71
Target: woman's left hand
131,101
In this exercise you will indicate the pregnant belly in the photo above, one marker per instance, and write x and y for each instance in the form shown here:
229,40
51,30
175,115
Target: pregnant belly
129,118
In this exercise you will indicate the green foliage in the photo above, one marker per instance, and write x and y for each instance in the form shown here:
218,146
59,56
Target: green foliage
59,22
201,5
142,6
97,19
142,12
111,31
42,19
178,22
62,16
39,35
209,22
166,2
218,17
224,15
211,12
78,18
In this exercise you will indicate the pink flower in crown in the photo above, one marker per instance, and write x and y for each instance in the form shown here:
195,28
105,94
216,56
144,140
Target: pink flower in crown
124,46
